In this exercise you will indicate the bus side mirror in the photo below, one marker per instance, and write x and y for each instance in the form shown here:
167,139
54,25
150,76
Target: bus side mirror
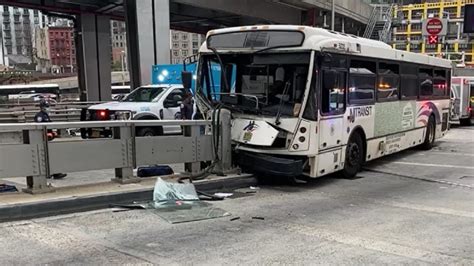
187,78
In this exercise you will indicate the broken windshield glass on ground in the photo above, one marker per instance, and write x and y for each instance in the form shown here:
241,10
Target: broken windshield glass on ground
178,203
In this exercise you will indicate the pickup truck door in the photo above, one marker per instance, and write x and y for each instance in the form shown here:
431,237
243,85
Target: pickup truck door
172,109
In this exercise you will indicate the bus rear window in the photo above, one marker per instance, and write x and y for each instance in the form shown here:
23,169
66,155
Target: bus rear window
255,39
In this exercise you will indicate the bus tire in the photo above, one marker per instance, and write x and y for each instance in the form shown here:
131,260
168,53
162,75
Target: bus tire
430,135
148,132
354,156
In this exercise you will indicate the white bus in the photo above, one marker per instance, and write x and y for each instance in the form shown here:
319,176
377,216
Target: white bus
21,93
310,101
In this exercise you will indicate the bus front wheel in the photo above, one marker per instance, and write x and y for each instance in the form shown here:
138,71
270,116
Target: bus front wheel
430,134
354,156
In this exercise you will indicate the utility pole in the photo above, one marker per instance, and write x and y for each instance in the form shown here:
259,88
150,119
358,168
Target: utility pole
3,49
333,12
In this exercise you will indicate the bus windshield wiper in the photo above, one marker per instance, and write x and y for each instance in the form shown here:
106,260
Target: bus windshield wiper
224,74
274,47
285,92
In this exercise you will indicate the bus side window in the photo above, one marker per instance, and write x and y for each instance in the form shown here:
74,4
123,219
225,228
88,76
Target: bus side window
439,83
333,91
388,82
426,82
409,81
362,82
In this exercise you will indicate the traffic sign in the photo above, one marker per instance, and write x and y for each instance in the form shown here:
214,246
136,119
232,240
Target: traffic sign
433,39
434,26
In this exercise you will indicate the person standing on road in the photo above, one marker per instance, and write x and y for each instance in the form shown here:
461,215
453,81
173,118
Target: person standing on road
43,117
187,107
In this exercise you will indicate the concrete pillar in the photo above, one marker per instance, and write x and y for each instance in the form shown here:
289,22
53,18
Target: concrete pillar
148,37
96,53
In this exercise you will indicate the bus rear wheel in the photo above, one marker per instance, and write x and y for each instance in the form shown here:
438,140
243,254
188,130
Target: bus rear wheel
354,157
430,135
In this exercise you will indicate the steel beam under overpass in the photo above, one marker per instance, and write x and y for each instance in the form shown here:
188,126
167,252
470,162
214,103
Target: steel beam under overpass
264,10
95,50
148,36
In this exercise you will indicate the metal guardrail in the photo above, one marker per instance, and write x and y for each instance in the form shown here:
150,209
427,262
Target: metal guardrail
26,151
60,112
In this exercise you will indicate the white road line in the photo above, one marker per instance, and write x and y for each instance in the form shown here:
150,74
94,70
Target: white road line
438,210
437,165
385,246
449,153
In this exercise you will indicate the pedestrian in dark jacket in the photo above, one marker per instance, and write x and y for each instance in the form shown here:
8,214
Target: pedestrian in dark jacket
187,107
43,117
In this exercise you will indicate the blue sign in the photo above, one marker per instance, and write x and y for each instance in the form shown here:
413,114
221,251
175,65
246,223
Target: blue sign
171,74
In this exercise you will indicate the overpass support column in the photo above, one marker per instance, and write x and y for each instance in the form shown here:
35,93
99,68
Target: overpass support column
148,37
95,51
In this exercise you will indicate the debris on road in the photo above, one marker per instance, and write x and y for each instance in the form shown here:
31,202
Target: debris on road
154,170
235,218
7,188
178,203
223,194
258,218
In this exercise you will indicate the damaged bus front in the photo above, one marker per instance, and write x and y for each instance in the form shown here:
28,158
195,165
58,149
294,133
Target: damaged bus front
310,101
265,78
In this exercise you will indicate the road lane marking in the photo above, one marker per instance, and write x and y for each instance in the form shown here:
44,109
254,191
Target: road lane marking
380,245
438,210
437,165
375,170
448,153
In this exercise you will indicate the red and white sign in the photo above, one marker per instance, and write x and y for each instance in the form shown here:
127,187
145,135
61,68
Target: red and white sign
434,26
433,39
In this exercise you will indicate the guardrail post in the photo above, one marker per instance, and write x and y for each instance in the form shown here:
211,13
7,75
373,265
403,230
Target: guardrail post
127,135
192,131
224,165
38,184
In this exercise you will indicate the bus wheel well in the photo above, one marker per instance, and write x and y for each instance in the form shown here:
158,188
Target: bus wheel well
361,133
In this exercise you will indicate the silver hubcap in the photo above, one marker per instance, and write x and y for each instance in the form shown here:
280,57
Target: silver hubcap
432,133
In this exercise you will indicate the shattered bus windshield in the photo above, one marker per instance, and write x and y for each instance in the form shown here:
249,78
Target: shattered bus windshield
265,84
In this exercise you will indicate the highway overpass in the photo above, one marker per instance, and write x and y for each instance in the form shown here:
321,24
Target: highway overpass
149,22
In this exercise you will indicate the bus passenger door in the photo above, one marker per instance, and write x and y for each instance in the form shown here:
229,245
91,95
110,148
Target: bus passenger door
333,88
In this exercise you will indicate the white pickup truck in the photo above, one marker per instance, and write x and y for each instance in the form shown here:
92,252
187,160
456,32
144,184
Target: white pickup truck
150,102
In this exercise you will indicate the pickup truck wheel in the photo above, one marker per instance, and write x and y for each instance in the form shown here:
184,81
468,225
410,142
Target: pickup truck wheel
148,132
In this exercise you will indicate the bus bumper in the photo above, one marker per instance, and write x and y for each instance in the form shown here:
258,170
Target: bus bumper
269,164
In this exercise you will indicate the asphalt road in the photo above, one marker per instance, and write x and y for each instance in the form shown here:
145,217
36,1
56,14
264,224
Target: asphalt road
412,208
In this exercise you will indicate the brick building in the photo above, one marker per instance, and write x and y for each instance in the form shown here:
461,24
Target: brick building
62,50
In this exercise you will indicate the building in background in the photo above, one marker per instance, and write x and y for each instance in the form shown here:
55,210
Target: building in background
119,45
62,51
455,45
17,34
41,52
184,44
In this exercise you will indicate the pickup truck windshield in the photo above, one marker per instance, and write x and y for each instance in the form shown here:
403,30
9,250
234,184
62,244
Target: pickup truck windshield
143,94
